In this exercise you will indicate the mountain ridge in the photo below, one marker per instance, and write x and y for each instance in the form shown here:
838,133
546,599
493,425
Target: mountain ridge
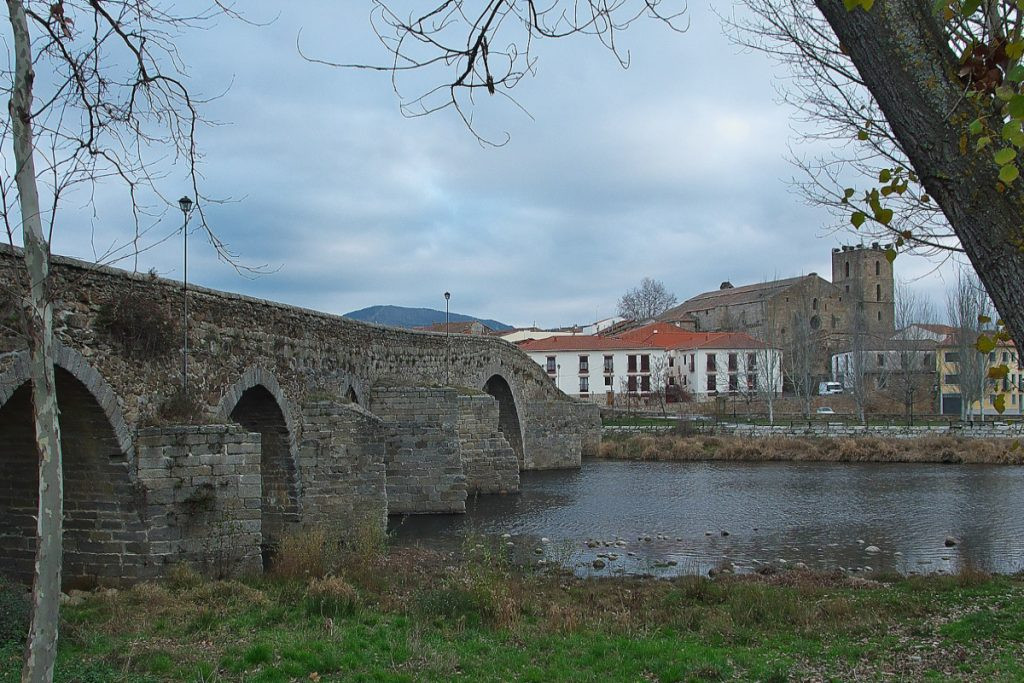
403,316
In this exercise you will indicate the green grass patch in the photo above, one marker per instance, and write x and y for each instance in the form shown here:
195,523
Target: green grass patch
413,616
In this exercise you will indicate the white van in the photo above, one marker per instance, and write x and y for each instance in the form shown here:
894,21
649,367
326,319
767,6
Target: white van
829,388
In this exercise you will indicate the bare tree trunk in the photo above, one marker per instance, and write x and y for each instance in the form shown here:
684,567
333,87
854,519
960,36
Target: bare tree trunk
903,56
41,649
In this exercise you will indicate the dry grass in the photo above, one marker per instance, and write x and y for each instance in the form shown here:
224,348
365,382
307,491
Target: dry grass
927,449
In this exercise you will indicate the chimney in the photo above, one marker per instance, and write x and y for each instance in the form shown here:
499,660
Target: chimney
725,285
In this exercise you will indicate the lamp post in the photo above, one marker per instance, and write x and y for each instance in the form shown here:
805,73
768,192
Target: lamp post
447,346
185,204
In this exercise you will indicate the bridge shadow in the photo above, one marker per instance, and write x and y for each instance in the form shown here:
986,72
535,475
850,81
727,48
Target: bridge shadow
101,506
508,414
258,411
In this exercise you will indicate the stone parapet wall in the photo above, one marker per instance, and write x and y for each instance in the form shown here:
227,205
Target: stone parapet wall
489,463
305,355
342,468
424,468
201,488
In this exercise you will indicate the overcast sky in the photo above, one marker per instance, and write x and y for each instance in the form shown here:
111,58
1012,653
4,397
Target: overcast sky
673,169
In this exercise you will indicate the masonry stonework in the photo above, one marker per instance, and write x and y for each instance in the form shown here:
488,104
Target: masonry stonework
489,462
286,397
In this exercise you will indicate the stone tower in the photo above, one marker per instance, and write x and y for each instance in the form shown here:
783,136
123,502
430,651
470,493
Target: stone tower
865,275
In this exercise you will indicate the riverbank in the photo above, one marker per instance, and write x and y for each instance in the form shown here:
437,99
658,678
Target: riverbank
413,615
927,449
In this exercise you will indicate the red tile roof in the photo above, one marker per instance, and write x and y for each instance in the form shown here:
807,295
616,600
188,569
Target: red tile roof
580,342
668,336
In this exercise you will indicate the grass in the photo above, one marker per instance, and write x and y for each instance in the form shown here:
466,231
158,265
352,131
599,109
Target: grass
925,449
414,615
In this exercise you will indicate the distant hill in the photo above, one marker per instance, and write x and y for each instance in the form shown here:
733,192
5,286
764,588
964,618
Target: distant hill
400,316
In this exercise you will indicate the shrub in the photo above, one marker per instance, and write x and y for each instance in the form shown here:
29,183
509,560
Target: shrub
331,596
306,554
14,613
139,325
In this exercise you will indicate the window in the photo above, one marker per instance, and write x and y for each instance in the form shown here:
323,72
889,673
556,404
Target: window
551,365
711,383
815,322
926,360
645,363
711,367
631,363
951,356
692,357
847,290
1006,357
881,360
992,356
609,363
814,304
878,292
645,383
733,362
751,382
846,270
584,364
879,316
607,380
878,268
631,384
584,385
734,384
671,381
952,379
751,362
671,361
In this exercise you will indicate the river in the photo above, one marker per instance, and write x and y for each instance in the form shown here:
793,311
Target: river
688,517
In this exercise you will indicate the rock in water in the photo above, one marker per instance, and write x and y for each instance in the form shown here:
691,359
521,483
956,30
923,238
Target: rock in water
950,541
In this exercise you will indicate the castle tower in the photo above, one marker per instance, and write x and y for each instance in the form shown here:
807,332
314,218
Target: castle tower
865,275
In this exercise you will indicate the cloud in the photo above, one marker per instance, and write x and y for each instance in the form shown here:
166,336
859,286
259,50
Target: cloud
674,169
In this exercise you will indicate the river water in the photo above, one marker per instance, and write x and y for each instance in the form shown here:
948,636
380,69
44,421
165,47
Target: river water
687,517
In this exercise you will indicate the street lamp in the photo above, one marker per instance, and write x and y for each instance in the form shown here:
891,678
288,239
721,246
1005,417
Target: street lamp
185,204
447,345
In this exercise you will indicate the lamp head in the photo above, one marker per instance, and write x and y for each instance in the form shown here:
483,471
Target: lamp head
447,295
185,203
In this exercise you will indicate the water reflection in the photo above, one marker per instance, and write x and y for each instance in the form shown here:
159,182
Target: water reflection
688,517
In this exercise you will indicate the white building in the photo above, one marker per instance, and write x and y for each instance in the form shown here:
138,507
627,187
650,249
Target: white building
703,364
591,367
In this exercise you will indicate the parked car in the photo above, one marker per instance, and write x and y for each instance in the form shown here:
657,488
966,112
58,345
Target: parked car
825,410
829,388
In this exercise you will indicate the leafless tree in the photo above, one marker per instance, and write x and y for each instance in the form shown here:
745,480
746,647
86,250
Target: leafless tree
856,375
444,54
968,306
768,361
647,301
659,379
802,349
912,354
97,94
833,105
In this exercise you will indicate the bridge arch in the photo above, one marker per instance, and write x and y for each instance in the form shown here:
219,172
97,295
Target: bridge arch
257,403
101,504
509,422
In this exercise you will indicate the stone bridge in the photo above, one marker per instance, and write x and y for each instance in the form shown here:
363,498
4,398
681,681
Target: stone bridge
292,419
